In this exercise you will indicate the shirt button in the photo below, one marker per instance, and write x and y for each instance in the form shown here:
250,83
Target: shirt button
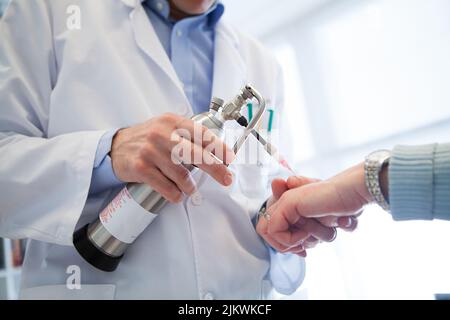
159,6
208,296
179,33
197,199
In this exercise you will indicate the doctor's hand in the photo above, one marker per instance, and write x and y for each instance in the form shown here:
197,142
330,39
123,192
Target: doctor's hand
144,154
342,196
313,230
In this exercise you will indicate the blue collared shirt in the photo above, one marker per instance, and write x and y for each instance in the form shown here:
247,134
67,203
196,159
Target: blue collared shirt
189,43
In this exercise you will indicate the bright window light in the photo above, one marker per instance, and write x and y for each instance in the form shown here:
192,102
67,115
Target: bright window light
294,114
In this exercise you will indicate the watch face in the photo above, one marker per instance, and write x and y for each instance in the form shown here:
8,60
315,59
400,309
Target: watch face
380,155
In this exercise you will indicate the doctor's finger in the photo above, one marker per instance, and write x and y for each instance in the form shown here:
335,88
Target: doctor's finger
202,136
214,145
191,153
217,170
178,174
157,181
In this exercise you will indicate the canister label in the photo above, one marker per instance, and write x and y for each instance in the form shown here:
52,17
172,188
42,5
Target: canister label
124,218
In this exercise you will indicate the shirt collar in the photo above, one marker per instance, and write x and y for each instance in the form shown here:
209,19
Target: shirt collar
213,15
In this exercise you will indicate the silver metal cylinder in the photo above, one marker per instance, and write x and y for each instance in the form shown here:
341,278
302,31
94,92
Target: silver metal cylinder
98,246
143,194
105,241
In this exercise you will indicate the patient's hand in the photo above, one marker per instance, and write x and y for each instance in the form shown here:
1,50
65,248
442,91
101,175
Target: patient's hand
309,231
341,196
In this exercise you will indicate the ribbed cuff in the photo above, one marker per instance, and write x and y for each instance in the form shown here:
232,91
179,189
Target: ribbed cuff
411,179
442,182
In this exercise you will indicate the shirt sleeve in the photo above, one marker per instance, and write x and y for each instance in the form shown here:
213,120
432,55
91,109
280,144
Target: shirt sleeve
103,177
419,182
287,271
44,181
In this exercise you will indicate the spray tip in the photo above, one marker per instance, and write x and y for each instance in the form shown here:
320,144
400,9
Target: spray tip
242,121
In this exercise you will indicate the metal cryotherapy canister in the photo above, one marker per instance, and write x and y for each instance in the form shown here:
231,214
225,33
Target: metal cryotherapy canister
103,242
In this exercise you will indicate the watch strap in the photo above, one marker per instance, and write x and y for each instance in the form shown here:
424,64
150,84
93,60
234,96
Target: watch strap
372,170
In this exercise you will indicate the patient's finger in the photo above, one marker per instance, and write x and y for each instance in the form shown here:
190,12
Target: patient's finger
311,242
303,231
348,223
296,249
276,245
298,181
279,186
262,229
329,221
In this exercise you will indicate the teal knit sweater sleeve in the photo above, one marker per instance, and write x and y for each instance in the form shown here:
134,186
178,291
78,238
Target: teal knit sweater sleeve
419,182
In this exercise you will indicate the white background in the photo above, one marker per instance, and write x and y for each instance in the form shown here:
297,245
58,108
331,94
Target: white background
362,75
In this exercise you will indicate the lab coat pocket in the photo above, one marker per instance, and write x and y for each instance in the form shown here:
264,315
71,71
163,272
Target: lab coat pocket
253,180
62,292
253,169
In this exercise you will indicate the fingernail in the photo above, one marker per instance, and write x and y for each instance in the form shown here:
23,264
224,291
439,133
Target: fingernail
228,179
334,235
178,198
348,222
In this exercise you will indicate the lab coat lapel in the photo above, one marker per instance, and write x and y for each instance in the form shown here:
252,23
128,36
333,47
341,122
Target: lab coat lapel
148,41
230,72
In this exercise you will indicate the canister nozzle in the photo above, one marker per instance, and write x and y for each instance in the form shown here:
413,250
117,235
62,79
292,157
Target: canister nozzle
242,121
216,104
232,111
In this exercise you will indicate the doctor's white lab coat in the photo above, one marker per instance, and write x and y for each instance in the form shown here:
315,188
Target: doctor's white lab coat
61,89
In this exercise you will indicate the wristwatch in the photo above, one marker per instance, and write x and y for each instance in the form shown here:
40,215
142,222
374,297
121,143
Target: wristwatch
372,168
